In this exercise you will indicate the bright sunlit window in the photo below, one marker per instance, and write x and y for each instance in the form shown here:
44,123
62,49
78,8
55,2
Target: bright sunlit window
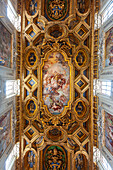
13,17
108,12
99,158
105,163
9,88
12,88
106,87
11,13
12,157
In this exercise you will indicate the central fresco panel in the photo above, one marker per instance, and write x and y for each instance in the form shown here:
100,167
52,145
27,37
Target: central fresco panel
56,79
56,83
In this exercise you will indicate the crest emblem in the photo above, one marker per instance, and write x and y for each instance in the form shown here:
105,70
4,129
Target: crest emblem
57,9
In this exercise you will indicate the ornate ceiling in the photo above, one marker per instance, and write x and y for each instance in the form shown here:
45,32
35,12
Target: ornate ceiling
56,84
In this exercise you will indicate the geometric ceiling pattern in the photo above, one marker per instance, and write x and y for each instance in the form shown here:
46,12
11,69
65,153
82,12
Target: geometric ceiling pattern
56,85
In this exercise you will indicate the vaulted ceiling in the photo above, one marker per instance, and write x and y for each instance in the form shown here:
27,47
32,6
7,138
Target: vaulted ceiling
56,84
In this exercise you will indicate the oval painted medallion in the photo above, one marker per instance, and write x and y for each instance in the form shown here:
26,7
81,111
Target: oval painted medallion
56,83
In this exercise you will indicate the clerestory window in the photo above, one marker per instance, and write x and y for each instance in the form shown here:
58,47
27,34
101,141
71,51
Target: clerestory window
106,87
12,88
13,17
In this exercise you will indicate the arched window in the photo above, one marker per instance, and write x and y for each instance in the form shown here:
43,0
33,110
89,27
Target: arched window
12,156
12,88
106,87
108,11
13,16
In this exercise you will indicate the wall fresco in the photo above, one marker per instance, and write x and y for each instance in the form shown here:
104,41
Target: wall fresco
5,47
56,80
5,132
109,132
109,48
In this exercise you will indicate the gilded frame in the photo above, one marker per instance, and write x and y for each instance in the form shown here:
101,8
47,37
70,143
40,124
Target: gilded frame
71,83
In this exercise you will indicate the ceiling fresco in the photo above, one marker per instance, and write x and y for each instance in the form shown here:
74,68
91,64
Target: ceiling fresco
56,102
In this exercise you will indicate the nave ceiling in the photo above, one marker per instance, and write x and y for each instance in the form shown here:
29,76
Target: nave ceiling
56,84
